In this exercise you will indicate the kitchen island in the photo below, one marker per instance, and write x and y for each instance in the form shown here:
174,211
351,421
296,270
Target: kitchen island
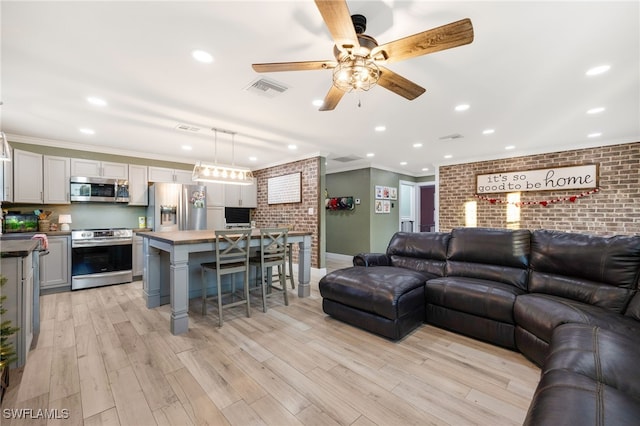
172,250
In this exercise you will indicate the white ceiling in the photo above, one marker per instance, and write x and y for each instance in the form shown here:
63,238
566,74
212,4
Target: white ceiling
523,76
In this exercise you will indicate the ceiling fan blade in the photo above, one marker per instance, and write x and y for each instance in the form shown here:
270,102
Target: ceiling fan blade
332,99
294,66
445,37
337,17
399,85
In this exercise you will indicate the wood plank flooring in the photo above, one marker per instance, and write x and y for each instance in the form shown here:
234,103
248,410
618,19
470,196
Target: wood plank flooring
103,358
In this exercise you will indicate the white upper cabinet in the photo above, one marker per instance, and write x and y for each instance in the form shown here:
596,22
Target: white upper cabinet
6,181
56,180
138,185
215,194
94,168
27,177
241,195
163,174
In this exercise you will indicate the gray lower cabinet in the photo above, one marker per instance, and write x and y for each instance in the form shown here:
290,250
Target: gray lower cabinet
55,267
138,257
19,302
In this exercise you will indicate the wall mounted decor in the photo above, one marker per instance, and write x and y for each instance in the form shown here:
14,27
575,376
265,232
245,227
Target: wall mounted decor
558,178
339,203
285,189
386,192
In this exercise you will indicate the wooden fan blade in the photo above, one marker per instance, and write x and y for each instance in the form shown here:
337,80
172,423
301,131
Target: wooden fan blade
332,99
294,66
337,17
399,85
445,37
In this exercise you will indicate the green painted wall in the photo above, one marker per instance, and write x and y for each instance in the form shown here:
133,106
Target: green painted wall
363,230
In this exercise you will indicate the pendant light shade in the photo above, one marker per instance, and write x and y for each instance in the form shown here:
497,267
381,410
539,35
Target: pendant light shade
5,150
220,173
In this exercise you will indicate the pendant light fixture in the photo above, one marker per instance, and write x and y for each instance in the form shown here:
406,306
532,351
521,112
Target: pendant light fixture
219,173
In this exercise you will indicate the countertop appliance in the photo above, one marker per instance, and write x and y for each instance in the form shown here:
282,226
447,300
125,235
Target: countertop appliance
102,190
176,207
101,257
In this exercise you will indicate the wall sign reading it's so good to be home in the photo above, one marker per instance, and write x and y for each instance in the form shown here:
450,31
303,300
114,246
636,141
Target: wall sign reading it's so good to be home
555,179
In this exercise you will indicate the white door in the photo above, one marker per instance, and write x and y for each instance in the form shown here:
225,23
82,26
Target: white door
407,201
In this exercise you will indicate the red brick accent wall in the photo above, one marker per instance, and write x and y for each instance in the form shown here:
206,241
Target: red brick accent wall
292,213
615,209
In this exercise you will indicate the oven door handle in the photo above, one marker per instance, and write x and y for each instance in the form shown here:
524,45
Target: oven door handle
95,243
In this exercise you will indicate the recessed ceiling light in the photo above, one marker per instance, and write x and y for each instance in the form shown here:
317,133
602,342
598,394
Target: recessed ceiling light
488,131
425,169
87,131
187,147
510,147
448,156
595,110
253,158
318,102
96,101
417,145
370,154
600,69
292,146
594,135
403,163
202,56
462,107
380,128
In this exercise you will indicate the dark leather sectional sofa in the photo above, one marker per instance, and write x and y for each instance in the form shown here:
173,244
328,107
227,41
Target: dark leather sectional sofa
568,302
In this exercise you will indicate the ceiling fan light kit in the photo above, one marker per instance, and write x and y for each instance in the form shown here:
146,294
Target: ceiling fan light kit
219,173
360,59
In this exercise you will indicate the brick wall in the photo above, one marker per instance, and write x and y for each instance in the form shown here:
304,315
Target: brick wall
614,209
292,213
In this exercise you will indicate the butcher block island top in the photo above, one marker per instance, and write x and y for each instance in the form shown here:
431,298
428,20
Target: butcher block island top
178,247
205,236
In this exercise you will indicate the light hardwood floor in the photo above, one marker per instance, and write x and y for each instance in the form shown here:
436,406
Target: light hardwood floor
103,358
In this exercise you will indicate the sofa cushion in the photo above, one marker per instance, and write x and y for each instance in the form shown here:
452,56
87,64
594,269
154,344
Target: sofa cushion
601,271
499,255
488,299
603,355
633,309
540,314
567,398
376,289
420,251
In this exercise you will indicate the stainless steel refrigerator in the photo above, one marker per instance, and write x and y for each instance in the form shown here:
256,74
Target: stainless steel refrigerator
176,207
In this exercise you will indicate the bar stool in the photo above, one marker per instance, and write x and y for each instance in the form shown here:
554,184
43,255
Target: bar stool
288,275
232,256
272,252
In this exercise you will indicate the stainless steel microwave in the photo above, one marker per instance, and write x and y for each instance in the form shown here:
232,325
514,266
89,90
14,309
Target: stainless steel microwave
91,189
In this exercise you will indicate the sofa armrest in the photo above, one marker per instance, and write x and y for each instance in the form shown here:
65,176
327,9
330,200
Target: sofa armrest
371,259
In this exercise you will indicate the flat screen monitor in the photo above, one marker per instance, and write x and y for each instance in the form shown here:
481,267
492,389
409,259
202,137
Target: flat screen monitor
237,216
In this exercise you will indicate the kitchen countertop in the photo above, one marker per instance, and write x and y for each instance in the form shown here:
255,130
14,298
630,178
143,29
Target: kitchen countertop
205,236
18,248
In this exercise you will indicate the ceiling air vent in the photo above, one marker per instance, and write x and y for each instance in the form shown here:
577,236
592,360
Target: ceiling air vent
265,87
187,128
451,137
347,158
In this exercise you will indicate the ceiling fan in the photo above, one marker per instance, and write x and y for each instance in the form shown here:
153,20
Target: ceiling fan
359,63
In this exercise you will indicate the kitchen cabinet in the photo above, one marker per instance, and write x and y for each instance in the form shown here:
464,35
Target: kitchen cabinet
39,179
6,181
55,267
241,195
138,185
93,168
162,174
215,194
27,177
57,174
215,218
138,257
19,302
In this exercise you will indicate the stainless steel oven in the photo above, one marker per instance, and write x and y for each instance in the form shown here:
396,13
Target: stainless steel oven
101,257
